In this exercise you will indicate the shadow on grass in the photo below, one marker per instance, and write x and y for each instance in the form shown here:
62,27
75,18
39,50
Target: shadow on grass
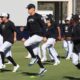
5,70
29,74
62,57
46,63
71,78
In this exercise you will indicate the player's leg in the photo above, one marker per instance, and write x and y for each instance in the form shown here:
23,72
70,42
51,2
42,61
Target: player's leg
1,63
65,46
53,52
75,55
6,47
44,47
1,42
75,60
51,57
70,49
39,51
79,56
36,52
28,45
9,57
9,53
2,56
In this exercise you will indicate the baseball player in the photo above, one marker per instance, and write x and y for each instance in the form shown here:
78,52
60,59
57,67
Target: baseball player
9,36
76,40
67,43
35,27
51,39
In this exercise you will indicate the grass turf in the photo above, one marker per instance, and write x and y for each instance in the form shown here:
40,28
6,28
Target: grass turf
64,71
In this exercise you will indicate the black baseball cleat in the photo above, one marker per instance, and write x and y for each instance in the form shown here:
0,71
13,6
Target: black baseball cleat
78,66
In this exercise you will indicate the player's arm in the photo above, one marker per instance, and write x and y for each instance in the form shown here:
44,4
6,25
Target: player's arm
41,21
15,36
59,32
13,28
42,24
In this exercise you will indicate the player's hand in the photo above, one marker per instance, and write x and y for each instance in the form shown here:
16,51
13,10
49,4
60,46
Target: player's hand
44,39
23,39
59,37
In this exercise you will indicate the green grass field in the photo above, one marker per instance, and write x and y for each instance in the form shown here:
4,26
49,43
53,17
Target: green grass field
64,71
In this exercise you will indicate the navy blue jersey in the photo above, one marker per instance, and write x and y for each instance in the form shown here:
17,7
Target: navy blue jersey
0,29
51,32
67,29
8,30
76,38
35,25
25,35
76,32
22,34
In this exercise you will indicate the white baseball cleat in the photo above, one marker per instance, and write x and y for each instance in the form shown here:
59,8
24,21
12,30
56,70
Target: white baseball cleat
16,68
43,60
33,61
1,67
56,63
28,57
67,58
42,71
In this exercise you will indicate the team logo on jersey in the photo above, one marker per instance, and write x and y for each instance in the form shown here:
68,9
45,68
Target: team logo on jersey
31,20
66,28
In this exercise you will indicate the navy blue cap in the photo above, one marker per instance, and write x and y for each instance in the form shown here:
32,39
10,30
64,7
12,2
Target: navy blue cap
30,6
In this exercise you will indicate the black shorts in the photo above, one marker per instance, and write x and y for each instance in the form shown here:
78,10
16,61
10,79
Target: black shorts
76,46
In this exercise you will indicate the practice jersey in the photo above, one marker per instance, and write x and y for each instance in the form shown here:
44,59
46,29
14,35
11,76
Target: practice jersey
0,29
67,30
35,25
76,32
51,32
8,30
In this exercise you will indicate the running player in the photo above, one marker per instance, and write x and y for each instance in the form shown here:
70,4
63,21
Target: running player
35,27
9,37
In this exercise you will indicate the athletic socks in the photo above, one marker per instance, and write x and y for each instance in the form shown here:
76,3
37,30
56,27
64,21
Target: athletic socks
39,62
11,60
2,57
30,49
